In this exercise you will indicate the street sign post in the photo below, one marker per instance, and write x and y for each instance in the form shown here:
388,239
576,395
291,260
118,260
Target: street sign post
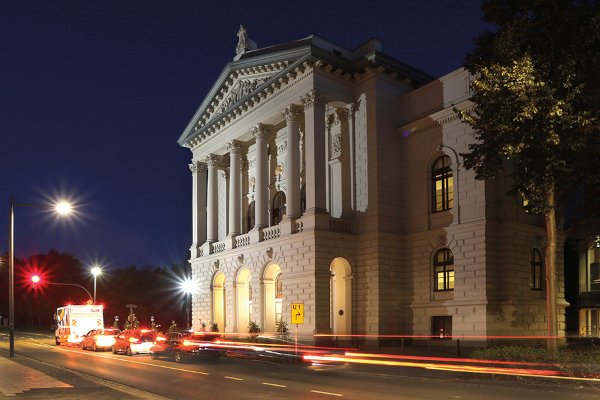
297,313
297,318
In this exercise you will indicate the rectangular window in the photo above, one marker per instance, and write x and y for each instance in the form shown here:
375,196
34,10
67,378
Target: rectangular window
536,270
441,327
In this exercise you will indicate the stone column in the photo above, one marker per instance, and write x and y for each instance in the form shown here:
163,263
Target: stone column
315,150
351,108
261,199
198,206
235,182
212,217
292,115
345,160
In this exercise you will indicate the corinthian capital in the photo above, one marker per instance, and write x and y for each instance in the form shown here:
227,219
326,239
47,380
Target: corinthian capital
293,113
212,160
234,147
197,167
312,98
260,131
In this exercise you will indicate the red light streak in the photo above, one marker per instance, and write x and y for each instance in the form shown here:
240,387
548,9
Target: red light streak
376,336
452,367
449,359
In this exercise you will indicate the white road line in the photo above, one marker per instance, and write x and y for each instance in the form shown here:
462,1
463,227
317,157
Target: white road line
234,378
273,384
327,393
122,359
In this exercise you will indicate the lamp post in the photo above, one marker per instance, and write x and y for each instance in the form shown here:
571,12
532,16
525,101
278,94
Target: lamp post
62,208
96,270
187,286
37,280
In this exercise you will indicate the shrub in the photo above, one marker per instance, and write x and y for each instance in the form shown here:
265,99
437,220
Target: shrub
282,329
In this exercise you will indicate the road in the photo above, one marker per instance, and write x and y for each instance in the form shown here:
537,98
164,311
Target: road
234,378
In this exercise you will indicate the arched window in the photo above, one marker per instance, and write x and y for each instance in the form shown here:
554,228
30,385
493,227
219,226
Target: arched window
536,270
278,298
442,185
278,208
443,270
250,218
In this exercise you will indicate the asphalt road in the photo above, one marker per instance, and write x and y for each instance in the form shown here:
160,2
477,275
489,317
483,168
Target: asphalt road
233,378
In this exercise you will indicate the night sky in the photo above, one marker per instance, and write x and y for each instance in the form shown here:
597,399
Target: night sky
94,95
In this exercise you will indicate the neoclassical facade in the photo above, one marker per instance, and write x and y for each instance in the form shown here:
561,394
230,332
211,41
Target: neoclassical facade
333,178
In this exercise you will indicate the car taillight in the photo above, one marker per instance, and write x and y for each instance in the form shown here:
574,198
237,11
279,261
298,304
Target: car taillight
133,340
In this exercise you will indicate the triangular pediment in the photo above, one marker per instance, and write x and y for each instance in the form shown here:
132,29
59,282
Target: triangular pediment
239,85
239,81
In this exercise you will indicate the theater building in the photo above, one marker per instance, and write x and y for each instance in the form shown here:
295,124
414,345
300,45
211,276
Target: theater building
333,178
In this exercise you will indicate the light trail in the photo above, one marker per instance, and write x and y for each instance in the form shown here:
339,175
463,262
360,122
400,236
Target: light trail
538,373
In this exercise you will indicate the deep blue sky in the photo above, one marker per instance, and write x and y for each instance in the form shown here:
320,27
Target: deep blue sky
94,94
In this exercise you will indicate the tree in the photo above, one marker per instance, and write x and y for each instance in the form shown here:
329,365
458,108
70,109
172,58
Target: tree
536,101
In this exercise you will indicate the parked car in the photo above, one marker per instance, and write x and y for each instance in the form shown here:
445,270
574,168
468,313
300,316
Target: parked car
186,346
134,341
100,339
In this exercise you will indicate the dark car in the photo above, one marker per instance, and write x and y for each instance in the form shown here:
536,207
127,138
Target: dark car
186,345
100,339
134,341
266,347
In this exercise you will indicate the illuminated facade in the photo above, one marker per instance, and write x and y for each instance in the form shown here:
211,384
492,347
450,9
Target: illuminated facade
333,178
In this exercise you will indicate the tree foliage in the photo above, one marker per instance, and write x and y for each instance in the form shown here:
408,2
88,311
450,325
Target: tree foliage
536,109
536,96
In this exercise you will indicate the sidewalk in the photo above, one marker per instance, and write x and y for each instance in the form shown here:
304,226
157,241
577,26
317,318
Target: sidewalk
24,378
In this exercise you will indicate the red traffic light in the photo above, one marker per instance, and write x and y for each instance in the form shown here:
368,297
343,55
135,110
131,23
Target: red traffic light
35,279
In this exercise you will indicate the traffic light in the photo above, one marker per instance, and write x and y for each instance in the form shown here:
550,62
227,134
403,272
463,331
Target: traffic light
35,279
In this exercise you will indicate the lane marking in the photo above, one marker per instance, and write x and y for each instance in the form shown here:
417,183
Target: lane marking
272,384
327,393
234,378
122,359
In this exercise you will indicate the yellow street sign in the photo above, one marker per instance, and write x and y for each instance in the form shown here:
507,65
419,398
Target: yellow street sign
297,313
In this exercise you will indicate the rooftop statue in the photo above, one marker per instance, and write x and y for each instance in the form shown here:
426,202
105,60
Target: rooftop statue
244,43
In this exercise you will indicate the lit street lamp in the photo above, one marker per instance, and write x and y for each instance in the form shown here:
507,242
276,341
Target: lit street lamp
187,286
61,208
35,279
96,270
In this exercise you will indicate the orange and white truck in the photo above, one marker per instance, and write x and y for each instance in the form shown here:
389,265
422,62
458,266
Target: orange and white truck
74,321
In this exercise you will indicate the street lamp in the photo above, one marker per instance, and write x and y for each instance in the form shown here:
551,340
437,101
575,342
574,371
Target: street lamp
187,286
96,270
36,279
61,208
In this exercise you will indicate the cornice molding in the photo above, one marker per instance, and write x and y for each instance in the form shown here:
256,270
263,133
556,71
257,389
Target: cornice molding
443,117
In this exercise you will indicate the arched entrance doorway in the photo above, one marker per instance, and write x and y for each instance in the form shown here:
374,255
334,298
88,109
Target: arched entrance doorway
243,295
341,296
273,297
218,301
